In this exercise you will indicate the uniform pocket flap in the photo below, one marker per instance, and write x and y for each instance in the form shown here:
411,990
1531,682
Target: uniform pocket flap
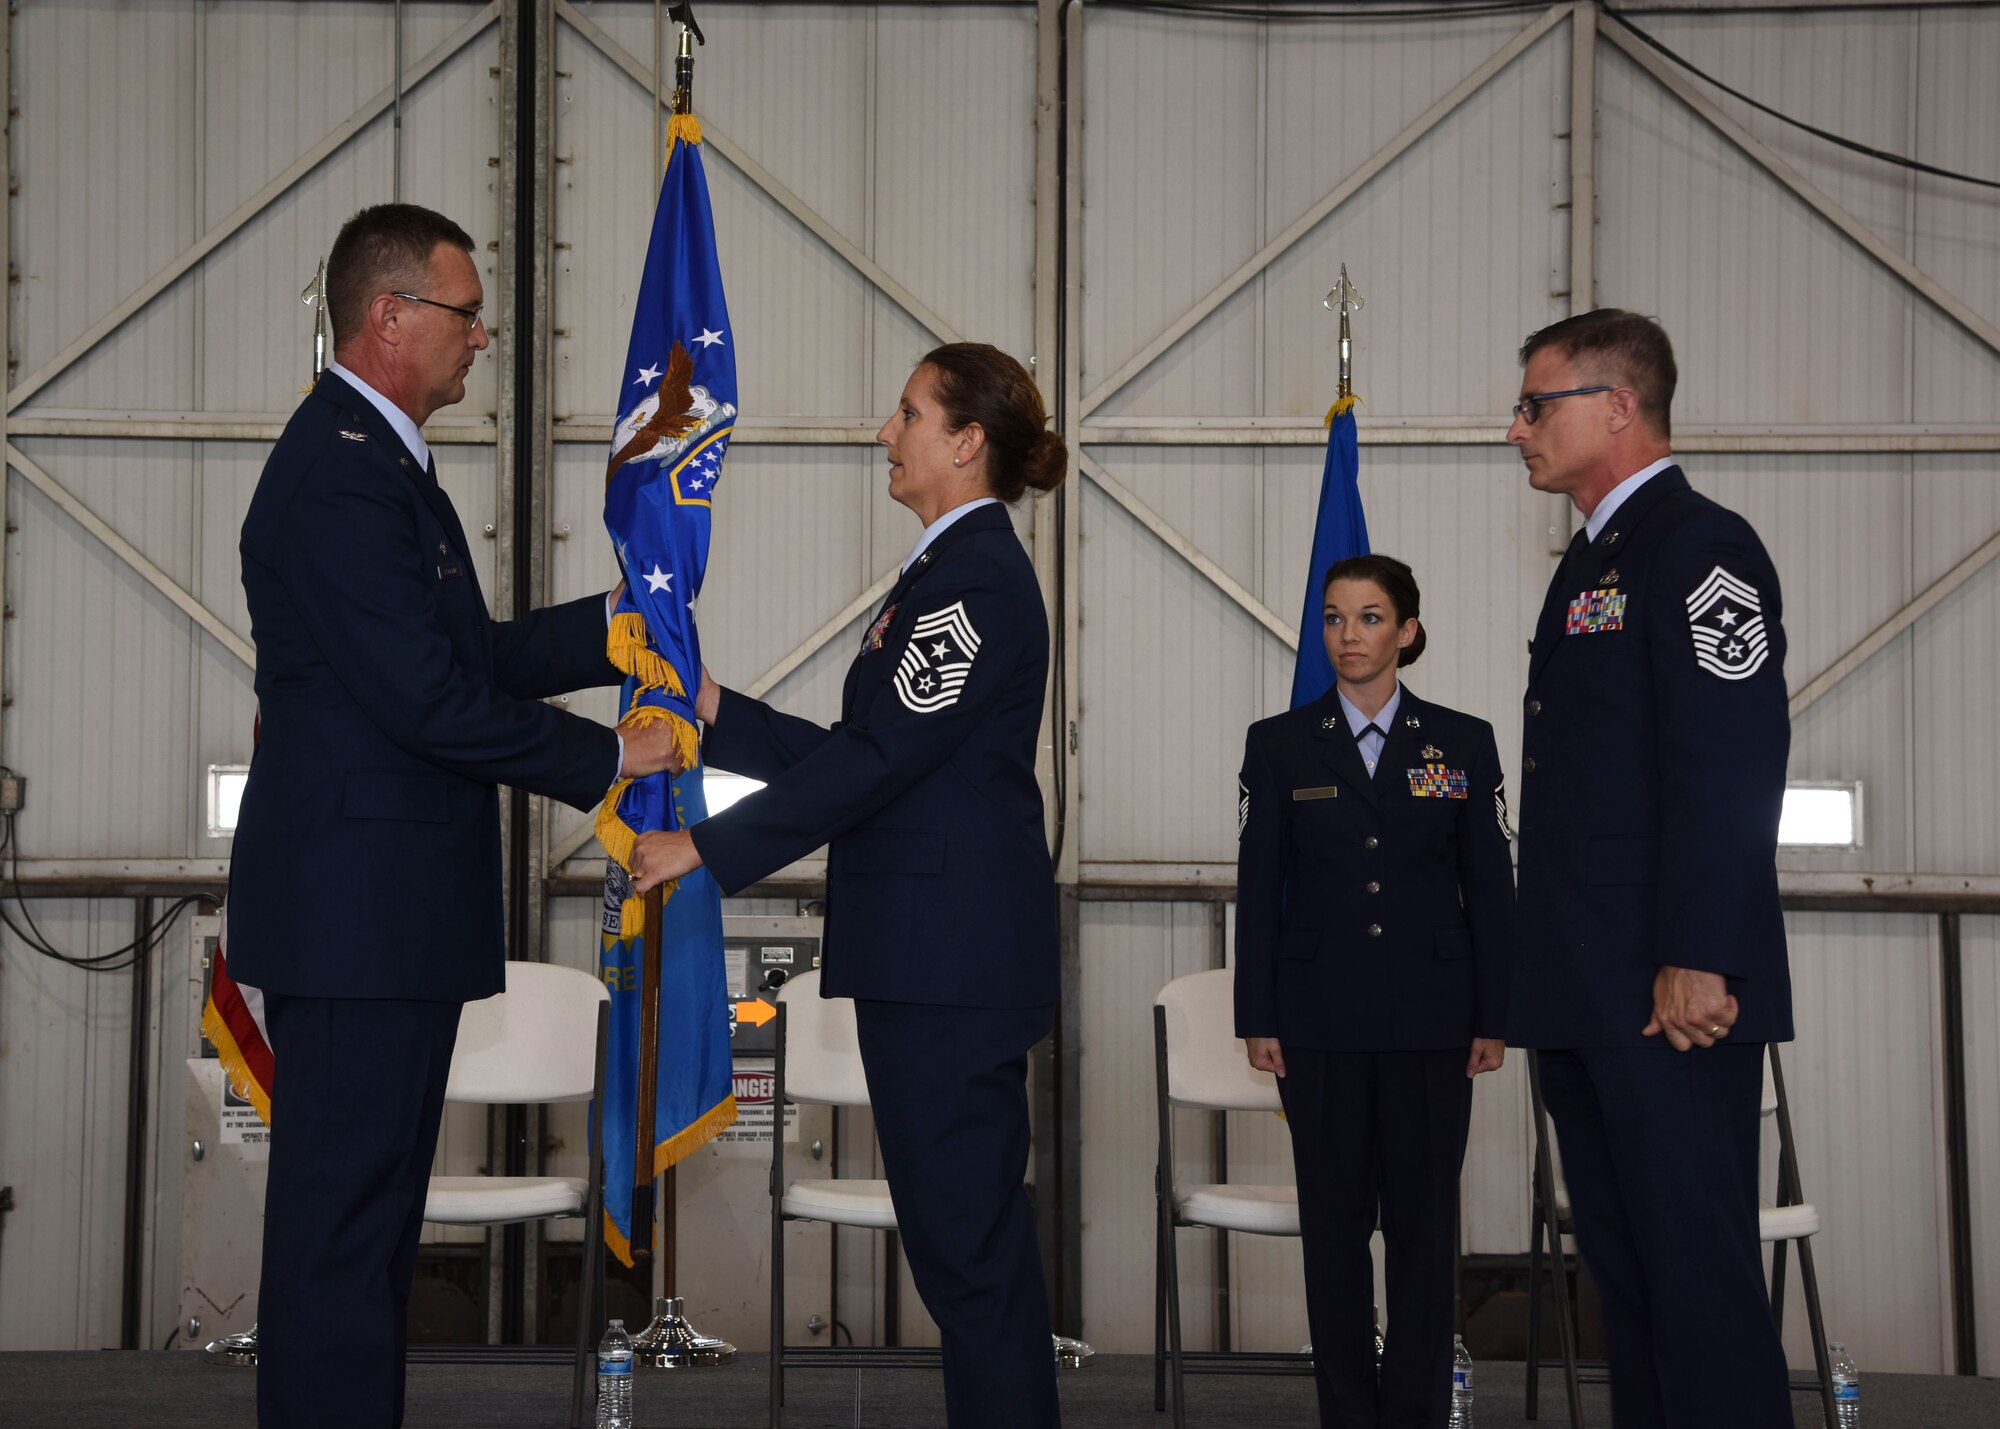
1454,942
1634,859
388,794
1298,944
893,851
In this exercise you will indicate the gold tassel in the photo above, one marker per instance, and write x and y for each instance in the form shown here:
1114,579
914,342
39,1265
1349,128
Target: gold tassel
1341,407
683,129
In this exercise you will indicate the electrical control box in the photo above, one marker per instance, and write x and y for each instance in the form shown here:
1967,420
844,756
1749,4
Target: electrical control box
759,955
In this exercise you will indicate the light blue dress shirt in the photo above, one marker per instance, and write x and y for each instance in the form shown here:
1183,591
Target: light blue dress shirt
1371,744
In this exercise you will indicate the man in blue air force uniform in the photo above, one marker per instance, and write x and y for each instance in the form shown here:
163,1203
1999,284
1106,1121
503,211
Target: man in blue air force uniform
365,882
1651,968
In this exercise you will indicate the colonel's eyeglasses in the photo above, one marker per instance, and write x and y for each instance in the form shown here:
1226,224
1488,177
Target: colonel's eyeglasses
1529,408
472,316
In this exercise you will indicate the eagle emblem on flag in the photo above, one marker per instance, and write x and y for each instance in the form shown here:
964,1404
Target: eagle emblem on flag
1725,616
932,673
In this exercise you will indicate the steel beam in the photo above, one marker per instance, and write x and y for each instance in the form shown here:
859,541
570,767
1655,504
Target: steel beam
1895,625
1172,538
738,158
130,554
750,431
1801,439
1583,157
1312,217
1864,237
250,208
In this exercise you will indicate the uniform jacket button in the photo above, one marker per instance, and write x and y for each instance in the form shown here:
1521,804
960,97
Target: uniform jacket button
1373,887
1534,707
1374,930
1528,765
1371,843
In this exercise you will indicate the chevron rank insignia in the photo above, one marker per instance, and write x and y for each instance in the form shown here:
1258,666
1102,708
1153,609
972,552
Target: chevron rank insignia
936,662
1725,616
1242,805
1500,810
1595,612
1434,781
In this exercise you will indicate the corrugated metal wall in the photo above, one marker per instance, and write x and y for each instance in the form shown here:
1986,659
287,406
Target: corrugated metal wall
910,131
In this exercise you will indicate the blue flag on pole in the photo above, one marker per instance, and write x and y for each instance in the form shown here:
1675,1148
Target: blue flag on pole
676,408
1339,531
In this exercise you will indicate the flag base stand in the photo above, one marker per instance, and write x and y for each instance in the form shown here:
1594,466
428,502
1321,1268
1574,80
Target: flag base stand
670,1342
1073,1354
233,1351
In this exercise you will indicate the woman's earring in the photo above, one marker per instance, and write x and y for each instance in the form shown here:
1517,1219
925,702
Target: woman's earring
956,462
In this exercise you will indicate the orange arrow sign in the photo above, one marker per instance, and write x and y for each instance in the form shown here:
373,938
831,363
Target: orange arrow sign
756,1012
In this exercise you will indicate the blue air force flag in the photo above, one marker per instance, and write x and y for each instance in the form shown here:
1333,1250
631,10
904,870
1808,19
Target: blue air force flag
676,408
1340,530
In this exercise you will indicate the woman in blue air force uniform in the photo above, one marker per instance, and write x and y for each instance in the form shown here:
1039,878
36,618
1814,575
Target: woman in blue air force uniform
940,920
1374,924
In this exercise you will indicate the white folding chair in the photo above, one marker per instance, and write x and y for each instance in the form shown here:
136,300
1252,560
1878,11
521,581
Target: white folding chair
1199,1063
818,1061
1790,1219
540,1041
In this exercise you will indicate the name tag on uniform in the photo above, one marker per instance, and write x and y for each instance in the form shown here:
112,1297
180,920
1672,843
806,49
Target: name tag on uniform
1324,791
450,571
1595,612
1434,781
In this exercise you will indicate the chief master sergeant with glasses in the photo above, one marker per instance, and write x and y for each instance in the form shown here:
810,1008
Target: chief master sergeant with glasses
1650,969
365,884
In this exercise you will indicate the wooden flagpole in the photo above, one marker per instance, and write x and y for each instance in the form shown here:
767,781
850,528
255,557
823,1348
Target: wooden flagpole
649,1074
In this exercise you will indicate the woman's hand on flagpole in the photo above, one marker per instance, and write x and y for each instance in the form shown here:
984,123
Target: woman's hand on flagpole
707,698
658,857
649,748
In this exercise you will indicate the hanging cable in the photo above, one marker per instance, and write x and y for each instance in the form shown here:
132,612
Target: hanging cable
1900,160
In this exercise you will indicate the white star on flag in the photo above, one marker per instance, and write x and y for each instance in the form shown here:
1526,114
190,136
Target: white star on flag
646,374
709,337
655,582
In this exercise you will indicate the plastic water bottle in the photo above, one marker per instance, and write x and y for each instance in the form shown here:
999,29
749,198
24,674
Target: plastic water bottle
1846,1386
1461,1385
614,1378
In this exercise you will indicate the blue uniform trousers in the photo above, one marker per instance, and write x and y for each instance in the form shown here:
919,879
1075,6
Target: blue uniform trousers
355,1110
1379,1131
1659,1150
948,1087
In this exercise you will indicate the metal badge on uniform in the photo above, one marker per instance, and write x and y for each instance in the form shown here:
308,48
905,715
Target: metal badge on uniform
1596,612
936,663
1431,751
1330,722
878,631
1324,791
1725,616
352,436
450,571
1434,781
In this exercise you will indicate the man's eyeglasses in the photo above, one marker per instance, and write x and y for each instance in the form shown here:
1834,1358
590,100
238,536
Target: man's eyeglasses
1529,408
472,316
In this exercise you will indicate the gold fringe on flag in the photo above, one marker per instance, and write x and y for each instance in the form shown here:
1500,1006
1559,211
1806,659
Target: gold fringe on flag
234,1065
1341,407
683,129
683,1143
630,649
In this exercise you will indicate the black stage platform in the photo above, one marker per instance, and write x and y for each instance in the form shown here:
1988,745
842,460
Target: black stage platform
176,1390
